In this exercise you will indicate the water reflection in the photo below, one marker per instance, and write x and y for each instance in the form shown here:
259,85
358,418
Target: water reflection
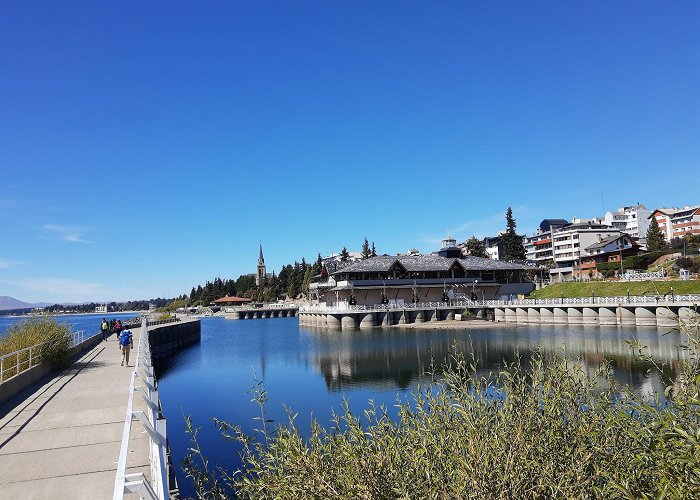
314,371
400,357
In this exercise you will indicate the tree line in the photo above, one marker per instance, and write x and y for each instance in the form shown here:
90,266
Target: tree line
131,305
291,281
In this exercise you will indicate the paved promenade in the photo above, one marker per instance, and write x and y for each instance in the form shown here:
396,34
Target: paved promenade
62,441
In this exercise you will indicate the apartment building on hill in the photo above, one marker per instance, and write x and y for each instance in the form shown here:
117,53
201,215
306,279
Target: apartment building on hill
633,220
677,222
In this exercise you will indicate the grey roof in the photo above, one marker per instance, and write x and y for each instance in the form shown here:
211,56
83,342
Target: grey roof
419,263
547,224
605,241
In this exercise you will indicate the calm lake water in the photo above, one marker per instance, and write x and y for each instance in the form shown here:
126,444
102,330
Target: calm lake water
313,370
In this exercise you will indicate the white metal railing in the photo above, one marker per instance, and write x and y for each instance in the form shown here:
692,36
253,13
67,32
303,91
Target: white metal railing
386,307
14,363
632,299
21,360
79,337
261,308
155,322
152,421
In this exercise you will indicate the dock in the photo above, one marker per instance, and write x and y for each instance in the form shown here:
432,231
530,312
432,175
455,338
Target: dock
61,439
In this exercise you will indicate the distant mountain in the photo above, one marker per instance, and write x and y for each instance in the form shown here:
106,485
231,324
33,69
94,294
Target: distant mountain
9,303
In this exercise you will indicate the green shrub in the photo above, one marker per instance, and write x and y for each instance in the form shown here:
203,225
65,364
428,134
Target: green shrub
643,261
552,431
57,338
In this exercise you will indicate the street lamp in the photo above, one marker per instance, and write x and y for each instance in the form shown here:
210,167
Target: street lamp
622,267
473,297
628,295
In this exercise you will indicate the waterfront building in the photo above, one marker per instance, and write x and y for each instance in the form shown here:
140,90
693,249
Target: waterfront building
633,220
677,222
260,275
437,277
569,244
494,246
611,249
559,246
538,247
232,301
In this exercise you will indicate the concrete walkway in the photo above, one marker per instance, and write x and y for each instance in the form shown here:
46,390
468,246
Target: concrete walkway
62,440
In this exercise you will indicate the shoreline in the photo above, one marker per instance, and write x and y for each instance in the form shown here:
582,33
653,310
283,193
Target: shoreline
451,324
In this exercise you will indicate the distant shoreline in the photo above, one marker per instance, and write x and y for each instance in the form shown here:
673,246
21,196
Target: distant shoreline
68,314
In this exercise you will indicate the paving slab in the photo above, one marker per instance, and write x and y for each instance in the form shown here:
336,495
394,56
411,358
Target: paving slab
63,439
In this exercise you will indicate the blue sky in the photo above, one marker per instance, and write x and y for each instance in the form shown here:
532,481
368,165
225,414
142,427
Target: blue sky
146,147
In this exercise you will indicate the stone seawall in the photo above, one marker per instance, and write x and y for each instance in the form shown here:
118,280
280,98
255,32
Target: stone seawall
661,316
169,338
671,315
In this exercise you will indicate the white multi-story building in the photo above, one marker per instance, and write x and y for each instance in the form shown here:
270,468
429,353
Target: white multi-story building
538,247
569,244
633,220
559,244
677,222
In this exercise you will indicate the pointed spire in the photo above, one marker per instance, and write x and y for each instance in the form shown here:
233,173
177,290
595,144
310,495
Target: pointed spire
261,260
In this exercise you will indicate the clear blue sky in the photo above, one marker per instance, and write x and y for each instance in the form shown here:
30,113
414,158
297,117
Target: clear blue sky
146,147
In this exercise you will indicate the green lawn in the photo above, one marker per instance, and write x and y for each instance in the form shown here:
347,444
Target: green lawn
612,289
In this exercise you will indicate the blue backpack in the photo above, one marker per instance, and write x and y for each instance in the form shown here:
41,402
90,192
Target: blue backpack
125,338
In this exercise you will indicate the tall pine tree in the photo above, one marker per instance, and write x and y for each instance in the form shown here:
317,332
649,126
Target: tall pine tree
655,238
344,255
366,253
513,248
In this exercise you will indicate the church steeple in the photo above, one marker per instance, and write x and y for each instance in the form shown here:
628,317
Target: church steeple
261,271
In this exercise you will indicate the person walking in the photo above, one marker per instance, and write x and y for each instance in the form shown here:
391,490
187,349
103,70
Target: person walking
104,328
118,328
126,344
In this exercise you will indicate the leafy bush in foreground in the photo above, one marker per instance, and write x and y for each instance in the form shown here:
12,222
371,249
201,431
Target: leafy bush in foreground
548,432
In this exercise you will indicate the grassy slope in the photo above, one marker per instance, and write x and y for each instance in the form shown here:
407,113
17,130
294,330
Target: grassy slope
612,289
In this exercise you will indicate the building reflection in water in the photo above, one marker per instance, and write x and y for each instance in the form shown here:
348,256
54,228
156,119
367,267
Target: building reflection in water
400,357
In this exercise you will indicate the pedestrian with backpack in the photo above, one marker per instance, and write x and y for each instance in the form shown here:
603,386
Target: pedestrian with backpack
126,344
104,328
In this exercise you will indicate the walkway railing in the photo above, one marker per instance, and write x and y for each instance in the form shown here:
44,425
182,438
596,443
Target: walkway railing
21,360
632,299
79,337
156,322
14,363
320,308
152,421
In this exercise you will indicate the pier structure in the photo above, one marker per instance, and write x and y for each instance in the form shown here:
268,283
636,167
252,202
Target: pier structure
663,312
266,311
94,429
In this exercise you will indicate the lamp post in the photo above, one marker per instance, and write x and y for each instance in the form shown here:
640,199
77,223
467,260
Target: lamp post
628,295
473,297
673,297
622,267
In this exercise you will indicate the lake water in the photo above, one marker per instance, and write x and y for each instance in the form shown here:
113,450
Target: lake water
313,370
88,322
